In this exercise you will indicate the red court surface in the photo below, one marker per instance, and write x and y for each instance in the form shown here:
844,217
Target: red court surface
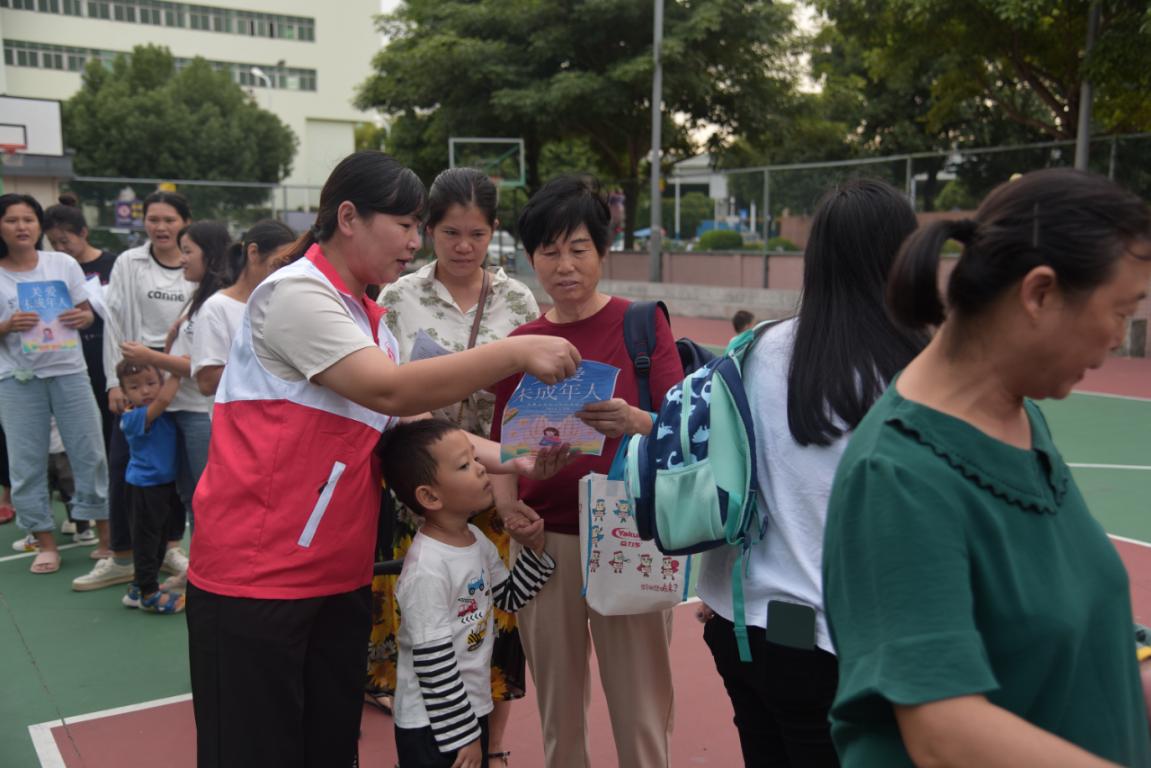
162,734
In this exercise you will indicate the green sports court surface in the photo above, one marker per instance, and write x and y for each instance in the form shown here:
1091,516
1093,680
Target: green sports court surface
81,657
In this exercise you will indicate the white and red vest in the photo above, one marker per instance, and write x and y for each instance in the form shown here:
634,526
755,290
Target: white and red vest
288,504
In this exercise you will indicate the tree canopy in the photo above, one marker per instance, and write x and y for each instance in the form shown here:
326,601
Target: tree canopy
144,118
551,71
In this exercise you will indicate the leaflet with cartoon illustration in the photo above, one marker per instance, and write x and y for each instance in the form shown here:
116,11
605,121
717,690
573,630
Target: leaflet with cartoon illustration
539,414
47,298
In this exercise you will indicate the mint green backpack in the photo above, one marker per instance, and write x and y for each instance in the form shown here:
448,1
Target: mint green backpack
693,479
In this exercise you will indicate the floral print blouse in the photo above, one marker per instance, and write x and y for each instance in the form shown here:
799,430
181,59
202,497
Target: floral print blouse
419,301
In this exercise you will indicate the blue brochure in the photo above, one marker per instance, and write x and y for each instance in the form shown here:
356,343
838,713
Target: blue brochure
47,298
539,415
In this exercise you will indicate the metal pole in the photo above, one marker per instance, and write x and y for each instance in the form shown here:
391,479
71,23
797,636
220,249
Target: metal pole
655,270
677,213
1114,157
766,225
1083,134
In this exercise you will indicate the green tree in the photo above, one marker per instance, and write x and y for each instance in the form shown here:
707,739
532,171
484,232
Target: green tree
143,118
1025,58
553,70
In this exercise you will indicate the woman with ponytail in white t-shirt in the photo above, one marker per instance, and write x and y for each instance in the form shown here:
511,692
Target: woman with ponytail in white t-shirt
262,250
144,297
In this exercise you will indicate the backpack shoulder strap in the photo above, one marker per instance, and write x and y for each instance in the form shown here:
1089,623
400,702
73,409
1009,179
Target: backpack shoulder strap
740,347
639,338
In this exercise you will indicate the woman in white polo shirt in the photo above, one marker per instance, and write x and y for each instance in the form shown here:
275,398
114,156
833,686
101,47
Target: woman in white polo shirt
278,595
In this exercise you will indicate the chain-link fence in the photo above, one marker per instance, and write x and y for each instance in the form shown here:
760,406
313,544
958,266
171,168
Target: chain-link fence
737,198
113,207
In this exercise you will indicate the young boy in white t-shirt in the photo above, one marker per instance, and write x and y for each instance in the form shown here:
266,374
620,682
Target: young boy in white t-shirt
452,578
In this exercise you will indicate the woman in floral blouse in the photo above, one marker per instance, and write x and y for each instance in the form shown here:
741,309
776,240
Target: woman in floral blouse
439,307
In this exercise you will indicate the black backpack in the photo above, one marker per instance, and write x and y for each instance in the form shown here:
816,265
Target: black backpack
639,337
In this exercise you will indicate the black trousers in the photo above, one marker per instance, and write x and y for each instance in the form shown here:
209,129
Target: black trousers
149,508
119,517
277,683
781,698
416,748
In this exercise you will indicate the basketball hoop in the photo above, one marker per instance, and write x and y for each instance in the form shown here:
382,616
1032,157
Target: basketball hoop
12,156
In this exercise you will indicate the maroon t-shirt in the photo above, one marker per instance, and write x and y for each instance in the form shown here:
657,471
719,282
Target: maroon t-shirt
599,338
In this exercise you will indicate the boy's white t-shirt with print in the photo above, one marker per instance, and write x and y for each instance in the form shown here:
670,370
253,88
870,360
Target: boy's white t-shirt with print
446,591
51,265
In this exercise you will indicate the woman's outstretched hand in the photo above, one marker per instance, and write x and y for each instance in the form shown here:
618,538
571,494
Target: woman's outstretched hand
549,358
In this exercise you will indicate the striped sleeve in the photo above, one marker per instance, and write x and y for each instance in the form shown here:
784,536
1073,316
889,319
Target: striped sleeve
450,714
527,578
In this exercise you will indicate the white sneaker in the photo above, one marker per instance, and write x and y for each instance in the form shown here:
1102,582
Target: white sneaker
68,528
104,574
88,538
26,544
175,562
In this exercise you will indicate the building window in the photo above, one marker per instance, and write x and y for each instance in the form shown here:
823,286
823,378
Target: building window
124,12
174,14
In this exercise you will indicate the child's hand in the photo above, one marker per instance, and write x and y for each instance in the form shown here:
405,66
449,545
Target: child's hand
469,756
544,463
525,526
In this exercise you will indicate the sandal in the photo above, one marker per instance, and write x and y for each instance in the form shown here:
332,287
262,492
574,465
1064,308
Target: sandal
500,756
162,602
46,562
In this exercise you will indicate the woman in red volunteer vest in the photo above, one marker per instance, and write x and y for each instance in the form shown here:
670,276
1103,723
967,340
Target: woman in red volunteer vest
281,561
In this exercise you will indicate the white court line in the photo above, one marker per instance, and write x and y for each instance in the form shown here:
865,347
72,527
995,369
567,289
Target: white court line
1112,396
1110,466
45,743
1136,542
62,547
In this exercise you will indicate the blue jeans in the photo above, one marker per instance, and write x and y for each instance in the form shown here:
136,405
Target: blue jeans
195,433
26,409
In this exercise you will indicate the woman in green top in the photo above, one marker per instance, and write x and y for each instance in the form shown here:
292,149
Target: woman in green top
981,615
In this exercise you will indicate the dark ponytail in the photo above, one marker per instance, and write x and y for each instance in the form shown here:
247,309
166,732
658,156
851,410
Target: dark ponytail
371,181
913,286
1078,224
235,260
66,215
268,235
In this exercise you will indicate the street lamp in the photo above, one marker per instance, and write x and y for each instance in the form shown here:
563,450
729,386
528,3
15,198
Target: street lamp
257,72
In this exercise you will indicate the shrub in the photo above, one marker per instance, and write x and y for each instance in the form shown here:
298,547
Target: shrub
720,240
782,244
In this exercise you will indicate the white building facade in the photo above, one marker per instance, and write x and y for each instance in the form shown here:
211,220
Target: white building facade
300,59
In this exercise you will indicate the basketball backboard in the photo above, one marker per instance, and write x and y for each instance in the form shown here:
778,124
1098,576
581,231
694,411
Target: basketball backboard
33,123
501,159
